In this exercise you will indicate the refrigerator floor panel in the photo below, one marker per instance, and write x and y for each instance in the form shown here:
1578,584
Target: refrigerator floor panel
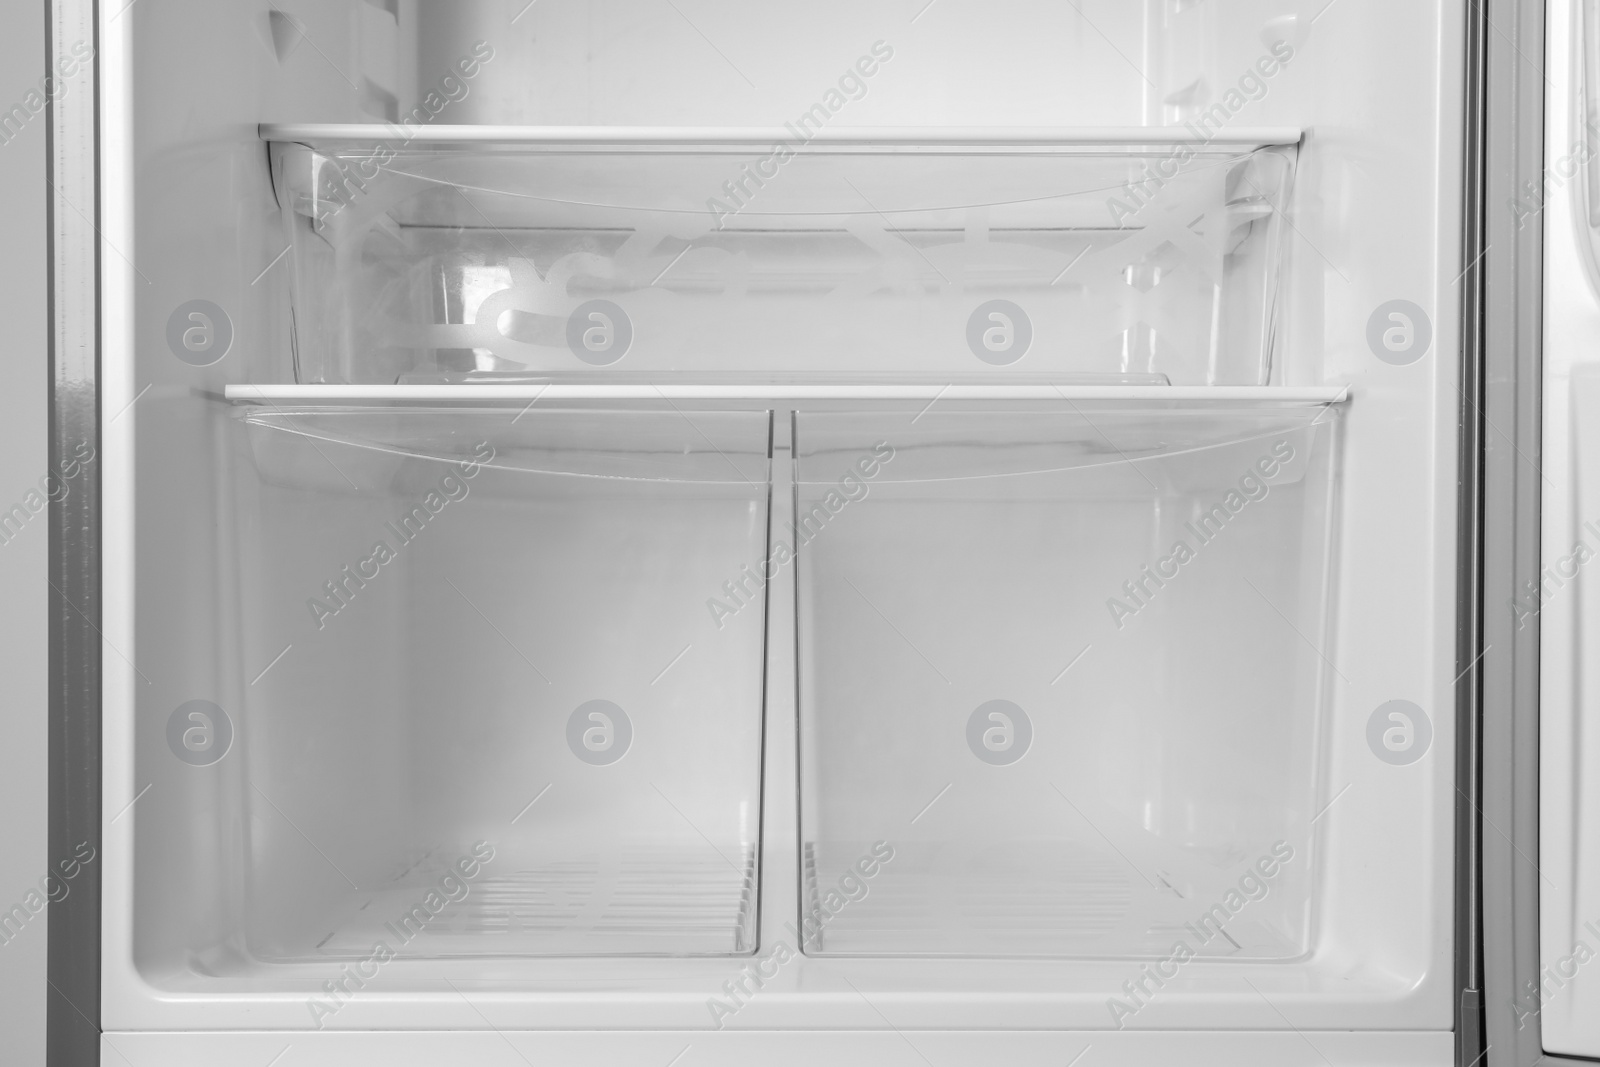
1049,899
641,901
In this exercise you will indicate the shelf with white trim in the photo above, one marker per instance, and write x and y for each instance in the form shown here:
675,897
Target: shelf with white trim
746,138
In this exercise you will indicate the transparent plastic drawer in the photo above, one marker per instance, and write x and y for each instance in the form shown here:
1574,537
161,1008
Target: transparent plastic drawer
500,723
1068,663
465,254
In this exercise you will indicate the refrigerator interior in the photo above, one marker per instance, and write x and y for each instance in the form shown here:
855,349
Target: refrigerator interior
543,599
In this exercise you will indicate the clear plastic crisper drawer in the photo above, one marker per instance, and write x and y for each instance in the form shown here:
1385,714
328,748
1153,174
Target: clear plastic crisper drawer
498,721
1066,664
452,254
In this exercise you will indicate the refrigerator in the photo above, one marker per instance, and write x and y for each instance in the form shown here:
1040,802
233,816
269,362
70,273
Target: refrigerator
689,533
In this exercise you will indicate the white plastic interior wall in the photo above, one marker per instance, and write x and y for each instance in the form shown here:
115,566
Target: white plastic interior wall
837,626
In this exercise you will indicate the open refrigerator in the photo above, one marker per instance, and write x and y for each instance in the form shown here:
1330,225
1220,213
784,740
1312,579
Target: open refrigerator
949,556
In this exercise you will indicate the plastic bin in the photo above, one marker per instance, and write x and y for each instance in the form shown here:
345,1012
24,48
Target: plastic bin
1069,663
501,722
456,253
